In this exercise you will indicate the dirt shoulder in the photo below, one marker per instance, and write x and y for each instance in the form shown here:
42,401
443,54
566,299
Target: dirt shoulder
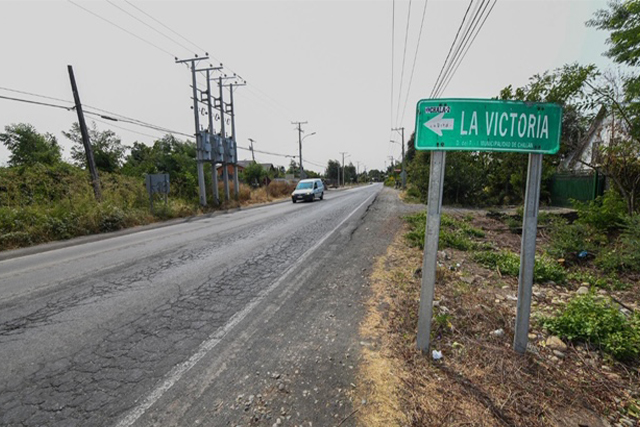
480,381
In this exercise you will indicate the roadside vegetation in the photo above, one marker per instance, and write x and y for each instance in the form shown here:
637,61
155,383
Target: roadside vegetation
582,364
43,198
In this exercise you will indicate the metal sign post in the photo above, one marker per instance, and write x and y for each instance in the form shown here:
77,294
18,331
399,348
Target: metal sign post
528,252
484,125
429,261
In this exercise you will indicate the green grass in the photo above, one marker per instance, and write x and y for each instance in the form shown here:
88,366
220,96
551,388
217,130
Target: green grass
610,282
454,233
508,263
599,322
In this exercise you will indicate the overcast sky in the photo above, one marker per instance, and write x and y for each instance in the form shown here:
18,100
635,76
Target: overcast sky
325,62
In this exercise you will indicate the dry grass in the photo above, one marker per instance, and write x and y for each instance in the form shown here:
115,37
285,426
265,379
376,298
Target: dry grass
480,381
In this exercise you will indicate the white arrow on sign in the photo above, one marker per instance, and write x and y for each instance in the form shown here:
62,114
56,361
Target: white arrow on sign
438,124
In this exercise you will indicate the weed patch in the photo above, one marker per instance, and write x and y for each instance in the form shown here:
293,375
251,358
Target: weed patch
508,263
598,321
454,233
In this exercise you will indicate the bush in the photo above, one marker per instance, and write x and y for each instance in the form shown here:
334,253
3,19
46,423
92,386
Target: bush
606,212
390,182
625,255
568,240
597,321
508,263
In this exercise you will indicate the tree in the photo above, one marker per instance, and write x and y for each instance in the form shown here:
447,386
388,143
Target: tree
108,151
350,174
620,95
28,147
254,173
293,168
333,170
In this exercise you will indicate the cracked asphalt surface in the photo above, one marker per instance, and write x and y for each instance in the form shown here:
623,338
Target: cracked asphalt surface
90,335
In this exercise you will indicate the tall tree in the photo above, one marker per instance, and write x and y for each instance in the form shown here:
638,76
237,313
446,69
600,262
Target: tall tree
332,170
108,150
28,147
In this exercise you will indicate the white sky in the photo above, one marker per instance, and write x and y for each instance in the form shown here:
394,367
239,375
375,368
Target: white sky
325,62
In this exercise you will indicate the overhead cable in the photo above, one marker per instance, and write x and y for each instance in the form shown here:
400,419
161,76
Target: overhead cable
404,57
467,49
450,50
415,57
167,27
149,26
123,29
469,28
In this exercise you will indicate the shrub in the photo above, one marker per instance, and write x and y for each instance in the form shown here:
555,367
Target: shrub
606,212
568,240
625,255
390,182
508,263
597,321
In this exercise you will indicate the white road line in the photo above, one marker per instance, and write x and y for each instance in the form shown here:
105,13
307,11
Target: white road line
214,339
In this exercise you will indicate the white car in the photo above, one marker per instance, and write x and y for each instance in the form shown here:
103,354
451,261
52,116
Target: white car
308,189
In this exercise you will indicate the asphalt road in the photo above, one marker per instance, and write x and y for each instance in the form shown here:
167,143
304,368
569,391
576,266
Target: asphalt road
220,321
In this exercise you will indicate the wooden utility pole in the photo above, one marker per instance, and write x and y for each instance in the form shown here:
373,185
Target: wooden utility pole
95,180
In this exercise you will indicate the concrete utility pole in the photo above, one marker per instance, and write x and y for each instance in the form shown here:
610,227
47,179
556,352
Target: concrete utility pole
404,173
253,156
236,181
196,114
303,175
223,134
86,142
343,153
214,162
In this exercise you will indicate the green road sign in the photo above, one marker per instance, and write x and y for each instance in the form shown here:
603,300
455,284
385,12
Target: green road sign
488,125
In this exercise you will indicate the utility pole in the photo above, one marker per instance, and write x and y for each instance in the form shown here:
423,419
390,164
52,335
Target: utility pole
343,153
214,162
86,142
236,181
196,113
231,145
404,172
253,156
223,134
302,173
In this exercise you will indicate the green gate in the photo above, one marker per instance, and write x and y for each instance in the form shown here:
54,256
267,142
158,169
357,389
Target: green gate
582,187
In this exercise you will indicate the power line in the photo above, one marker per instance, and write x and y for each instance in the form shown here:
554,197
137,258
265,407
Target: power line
469,28
467,49
149,26
123,128
123,29
404,57
35,94
393,32
415,57
120,117
37,103
450,49
165,26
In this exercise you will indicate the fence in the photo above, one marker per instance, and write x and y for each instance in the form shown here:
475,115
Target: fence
582,187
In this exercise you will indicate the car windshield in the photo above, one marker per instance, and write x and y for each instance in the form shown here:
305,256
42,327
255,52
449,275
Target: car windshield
304,185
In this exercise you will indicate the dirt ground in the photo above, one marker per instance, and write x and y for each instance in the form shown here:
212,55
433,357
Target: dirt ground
481,381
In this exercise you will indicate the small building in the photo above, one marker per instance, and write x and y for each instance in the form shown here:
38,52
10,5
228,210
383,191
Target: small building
270,168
